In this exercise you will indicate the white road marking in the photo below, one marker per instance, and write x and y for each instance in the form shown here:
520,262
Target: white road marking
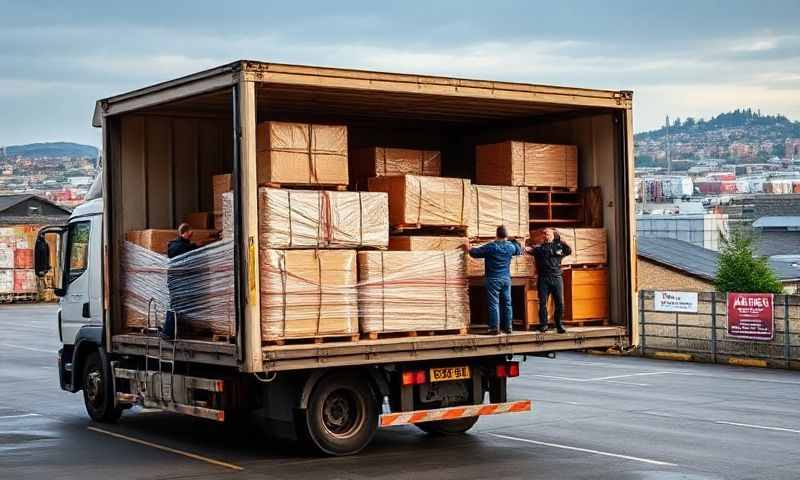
23,415
597,379
760,427
586,450
41,350
626,383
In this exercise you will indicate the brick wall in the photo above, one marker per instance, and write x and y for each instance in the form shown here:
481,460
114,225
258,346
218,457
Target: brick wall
653,276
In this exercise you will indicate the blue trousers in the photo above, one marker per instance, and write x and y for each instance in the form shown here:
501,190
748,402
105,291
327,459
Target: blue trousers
498,299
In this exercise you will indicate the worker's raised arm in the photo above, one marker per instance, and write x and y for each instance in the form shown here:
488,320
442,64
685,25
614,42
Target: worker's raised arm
517,247
477,252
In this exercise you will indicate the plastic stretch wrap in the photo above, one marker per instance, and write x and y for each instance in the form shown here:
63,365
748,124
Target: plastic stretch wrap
528,164
425,242
6,256
412,291
308,293
25,281
521,266
144,285
6,280
493,206
227,225
301,154
322,219
426,201
380,162
201,289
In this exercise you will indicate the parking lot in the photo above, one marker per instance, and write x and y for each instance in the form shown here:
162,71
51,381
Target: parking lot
593,417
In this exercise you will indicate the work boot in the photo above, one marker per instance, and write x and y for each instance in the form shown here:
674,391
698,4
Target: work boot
492,331
561,329
541,329
507,331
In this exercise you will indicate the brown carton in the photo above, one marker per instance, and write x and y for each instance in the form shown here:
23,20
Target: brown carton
412,291
425,201
200,220
527,164
308,293
322,219
424,242
493,206
301,154
381,162
220,184
157,240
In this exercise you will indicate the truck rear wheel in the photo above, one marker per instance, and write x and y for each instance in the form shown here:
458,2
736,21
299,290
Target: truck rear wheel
448,427
98,394
342,415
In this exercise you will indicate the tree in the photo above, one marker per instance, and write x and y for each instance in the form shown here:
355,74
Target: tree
739,270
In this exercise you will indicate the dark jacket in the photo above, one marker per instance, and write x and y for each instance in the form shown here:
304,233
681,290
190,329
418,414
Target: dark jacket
179,246
548,258
497,257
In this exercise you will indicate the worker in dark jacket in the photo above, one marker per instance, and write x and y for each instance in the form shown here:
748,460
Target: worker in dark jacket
497,260
183,243
548,256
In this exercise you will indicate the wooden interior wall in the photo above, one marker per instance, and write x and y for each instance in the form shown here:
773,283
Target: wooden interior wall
167,163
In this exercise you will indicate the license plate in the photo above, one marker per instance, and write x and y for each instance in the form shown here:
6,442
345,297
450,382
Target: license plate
449,373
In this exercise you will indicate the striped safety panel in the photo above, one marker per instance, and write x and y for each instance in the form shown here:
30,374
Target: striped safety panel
451,413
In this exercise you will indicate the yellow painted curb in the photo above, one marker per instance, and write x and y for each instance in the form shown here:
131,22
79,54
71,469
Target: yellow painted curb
748,362
682,357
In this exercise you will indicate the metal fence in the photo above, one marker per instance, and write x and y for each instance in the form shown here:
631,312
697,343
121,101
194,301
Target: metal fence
704,334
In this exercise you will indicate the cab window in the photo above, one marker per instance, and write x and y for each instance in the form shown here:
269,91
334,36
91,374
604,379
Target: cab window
78,244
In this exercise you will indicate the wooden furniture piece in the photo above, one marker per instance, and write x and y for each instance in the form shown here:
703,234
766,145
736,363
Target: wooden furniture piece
586,296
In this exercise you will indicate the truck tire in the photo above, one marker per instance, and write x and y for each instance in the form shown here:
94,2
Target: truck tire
448,427
98,391
342,414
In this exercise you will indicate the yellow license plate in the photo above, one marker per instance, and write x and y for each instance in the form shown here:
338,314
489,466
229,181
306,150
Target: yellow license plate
449,373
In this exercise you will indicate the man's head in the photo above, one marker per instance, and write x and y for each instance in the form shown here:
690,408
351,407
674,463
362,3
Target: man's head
549,235
502,233
185,231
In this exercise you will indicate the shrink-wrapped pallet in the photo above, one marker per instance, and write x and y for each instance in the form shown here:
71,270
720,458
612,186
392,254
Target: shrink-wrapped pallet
412,291
6,256
381,162
426,242
527,164
157,240
301,153
425,201
221,184
227,222
589,245
322,219
521,266
144,286
494,205
25,281
201,290
308,293
6,280
23,258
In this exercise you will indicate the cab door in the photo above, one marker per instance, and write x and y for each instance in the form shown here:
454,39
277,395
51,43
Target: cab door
77,305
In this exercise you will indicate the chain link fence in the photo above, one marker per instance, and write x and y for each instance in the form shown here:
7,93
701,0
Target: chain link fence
704,334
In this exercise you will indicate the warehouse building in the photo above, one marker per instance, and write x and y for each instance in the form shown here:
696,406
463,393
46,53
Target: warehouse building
670,264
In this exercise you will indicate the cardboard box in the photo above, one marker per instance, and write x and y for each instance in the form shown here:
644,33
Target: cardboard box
301,154
157,240
425,242
585,294
493,206
521,266
412,291
25,281
322,219
200,220
23,258
220,185
589,245
425,201
308,293
381,162
527,164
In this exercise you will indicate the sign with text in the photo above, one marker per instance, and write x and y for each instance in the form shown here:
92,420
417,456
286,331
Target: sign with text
750,316
682,302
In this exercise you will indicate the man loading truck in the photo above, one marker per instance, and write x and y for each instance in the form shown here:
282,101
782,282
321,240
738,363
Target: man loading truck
548,256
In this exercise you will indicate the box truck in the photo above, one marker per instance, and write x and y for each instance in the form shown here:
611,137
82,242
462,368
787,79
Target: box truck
161,146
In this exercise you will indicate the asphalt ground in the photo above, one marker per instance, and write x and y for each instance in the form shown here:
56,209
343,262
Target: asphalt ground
594,417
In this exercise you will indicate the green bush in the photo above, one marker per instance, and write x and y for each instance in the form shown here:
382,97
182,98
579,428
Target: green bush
739,270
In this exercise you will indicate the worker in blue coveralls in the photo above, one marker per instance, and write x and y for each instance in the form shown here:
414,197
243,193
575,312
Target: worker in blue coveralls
497,260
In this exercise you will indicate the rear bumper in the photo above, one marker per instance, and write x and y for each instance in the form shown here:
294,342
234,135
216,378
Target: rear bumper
453,413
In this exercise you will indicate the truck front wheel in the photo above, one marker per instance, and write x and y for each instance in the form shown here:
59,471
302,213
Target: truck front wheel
98,395
448,427
342,414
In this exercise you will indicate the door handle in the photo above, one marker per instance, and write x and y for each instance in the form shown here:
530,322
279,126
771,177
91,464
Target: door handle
86,312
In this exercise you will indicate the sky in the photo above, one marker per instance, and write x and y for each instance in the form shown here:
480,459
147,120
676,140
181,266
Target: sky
682,58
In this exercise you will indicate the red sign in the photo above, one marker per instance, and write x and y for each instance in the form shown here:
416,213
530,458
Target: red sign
750,316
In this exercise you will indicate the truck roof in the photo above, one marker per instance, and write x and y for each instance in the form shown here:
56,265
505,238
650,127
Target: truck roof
296,78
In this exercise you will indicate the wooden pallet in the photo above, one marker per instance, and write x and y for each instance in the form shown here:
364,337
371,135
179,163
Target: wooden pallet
223,338
306,186
413,333
432,230
586,322
587,266
18,297
552,189
312,339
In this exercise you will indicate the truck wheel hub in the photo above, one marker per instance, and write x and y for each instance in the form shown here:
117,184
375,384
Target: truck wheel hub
341,414
94,385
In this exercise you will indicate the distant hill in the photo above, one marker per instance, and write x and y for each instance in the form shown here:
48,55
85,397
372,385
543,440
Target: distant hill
52,149
743,125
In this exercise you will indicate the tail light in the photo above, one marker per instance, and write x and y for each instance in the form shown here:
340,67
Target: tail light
414,377
509,369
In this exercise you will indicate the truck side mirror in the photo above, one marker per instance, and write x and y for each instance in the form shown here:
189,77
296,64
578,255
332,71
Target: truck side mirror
42,257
